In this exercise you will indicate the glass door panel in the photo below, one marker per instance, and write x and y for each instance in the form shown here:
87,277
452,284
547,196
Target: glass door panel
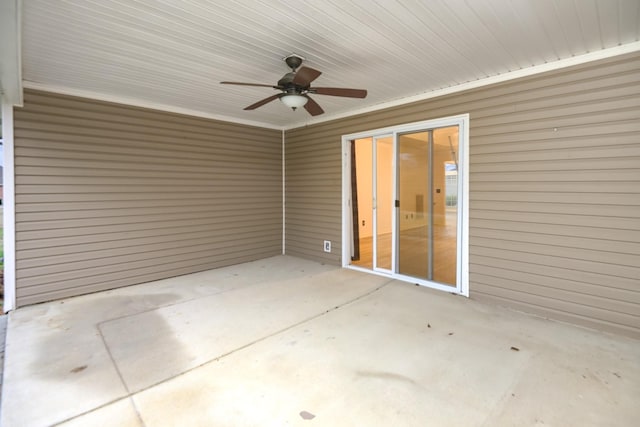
373,203
428,217
445,204
384,202
413,194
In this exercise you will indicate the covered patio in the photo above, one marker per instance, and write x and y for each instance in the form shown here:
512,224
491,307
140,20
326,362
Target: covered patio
286,341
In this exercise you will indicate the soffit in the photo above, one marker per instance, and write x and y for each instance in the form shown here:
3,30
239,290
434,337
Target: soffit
172,55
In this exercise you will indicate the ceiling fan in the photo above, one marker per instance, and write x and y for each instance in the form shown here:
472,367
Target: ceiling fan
295,88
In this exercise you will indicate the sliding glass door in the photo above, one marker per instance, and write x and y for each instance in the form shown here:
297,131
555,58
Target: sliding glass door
405,191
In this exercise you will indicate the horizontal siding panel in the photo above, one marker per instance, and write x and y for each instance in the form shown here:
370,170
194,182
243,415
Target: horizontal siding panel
155,197
553,248
327,213
554,189
615,97
317,192
42,100
109,195
245,213
602,113
138,208
585,146
74,139
488,296
75,124
545,271
567,166
228,185
142,170
70,113
569,152
626,308
598,245
614,199
608,210
552,132
86,284
603,222
133,237
40,256
595,314
560,231
612,270
75,276
135,205
221,177
603,176
548,282
103,144
567,186
125,140
117,228
60,265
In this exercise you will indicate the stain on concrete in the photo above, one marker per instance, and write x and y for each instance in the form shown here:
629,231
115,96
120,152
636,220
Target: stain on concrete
73,342
307,415
145,349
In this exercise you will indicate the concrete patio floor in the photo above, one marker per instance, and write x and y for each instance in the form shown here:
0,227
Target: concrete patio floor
289,342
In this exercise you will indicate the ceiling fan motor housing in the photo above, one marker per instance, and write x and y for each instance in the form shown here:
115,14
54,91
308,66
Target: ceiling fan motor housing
286,82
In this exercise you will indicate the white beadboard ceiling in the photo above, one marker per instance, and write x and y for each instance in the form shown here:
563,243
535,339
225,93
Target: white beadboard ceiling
172,54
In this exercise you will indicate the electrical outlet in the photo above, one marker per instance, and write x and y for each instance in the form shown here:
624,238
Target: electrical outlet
327,245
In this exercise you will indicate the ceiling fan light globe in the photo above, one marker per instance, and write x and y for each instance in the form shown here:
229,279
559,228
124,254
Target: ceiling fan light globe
294,101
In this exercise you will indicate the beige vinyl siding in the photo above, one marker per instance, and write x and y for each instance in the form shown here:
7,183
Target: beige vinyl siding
554,190
109,195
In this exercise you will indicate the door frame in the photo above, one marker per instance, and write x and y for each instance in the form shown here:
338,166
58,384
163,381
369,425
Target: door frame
462,121
375,217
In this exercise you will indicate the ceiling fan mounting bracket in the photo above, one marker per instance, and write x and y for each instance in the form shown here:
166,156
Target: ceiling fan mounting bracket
293,61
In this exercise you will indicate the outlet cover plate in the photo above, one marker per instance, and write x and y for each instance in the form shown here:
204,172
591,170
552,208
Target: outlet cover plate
327,245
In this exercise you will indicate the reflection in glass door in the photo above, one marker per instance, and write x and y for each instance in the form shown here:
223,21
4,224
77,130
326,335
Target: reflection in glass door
427,213
414,198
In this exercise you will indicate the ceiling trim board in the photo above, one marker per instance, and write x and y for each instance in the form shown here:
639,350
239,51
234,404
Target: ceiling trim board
142,104
512,75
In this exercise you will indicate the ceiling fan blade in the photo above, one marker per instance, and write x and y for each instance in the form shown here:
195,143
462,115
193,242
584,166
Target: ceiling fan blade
248,84
305,75
336,91
312,107
264,101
